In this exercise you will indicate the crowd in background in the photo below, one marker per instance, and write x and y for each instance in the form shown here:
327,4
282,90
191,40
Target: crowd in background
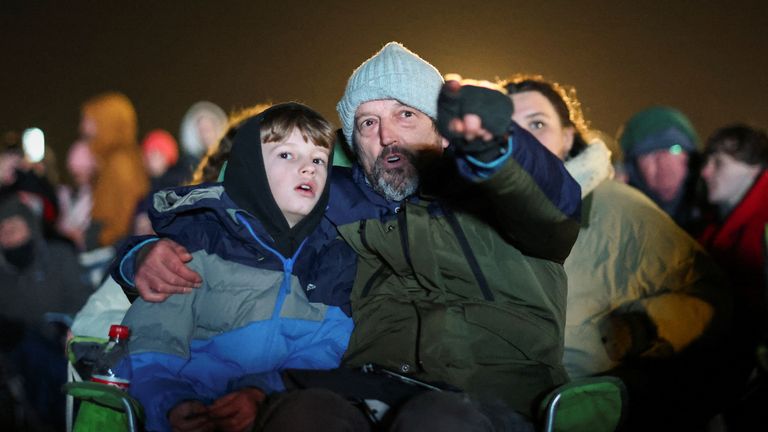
58,238
670,221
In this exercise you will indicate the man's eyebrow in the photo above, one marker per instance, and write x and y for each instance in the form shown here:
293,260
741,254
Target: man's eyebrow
402,105
398,105
362,114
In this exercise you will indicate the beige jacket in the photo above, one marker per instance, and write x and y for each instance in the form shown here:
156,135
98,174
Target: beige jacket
630,256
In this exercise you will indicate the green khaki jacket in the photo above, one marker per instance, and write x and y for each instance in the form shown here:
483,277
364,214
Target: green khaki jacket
468,289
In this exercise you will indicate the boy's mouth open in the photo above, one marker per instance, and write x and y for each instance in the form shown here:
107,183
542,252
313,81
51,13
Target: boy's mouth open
306,189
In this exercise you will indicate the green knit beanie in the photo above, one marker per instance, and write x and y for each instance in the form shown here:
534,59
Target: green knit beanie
657,128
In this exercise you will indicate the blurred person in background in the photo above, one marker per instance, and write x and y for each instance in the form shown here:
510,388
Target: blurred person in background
640,290
210,165
661,158
33,181
737,185
41,291
108,124
202,127
76,199
160,153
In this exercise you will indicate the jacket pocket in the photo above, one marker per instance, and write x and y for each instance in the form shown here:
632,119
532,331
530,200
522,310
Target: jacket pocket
513,335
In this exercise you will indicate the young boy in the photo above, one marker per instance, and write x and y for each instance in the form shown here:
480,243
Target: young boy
207,359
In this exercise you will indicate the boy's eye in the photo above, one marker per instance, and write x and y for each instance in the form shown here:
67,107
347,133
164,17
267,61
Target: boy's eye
285,155
318,161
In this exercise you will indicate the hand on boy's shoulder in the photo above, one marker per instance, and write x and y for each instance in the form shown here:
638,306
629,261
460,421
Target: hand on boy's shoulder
162,271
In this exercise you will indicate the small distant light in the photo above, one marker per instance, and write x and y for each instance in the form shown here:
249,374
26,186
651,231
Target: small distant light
676,149
33,141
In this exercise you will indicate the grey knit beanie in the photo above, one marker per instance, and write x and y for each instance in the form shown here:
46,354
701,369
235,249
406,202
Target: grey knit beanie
393,73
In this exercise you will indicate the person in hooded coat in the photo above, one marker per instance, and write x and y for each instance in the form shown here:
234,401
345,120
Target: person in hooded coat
42,288
253,239
108,123
642,294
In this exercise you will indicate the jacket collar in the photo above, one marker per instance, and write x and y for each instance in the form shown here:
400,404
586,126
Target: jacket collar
591,167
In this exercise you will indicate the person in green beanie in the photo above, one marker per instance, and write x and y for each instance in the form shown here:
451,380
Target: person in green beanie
661,158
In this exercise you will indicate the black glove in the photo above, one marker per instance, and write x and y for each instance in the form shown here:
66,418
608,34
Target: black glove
494,109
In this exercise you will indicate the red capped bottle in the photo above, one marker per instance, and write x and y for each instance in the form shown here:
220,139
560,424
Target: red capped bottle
113,365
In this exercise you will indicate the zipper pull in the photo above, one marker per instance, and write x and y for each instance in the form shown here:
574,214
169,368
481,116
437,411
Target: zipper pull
288,271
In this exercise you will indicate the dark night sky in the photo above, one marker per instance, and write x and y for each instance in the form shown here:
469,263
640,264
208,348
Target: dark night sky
708,58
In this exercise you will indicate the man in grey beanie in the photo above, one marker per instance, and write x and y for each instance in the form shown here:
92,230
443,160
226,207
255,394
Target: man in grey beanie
460,221
398,78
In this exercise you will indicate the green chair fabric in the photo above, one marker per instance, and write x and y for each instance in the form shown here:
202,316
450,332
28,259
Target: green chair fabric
104,408
594,404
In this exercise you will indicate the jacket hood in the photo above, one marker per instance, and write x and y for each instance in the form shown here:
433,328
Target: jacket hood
205,201
116,125
245,181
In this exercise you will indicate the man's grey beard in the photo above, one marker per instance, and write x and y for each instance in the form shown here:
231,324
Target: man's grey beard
394,184
395,192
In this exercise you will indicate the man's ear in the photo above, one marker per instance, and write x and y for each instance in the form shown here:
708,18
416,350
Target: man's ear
444,142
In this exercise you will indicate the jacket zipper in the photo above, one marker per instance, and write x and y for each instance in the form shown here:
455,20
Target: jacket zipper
285,286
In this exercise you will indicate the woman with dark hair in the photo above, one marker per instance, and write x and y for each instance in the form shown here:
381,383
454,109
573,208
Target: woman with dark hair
737,184
641,291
